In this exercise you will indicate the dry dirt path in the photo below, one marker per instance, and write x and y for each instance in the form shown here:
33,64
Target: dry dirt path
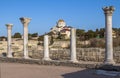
13,70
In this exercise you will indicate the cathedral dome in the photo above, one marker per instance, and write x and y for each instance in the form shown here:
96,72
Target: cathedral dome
61,23
61,20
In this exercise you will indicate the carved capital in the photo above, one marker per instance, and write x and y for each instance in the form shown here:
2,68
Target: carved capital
9,26
108,10
25,21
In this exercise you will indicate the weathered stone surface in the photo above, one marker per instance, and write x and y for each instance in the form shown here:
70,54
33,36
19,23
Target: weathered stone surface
46,48
9,30
50,62
25,22
108,11
83,54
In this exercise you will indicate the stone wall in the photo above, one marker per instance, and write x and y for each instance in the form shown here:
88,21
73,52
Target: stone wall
83,54
60,44
17,45
50,62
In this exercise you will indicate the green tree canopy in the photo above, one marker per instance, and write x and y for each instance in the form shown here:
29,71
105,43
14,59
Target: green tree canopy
41,38
17,35
34,35
80,32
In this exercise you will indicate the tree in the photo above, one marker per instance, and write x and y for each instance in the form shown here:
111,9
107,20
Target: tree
102,32
99,43
34,35
116,42
41,38
91,34
17,35
80,32
3,38
29,36
97,30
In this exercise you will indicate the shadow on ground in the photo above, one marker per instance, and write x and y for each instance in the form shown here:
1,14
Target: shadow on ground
86,73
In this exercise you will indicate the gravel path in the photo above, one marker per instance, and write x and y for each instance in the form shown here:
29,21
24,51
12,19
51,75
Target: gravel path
13,70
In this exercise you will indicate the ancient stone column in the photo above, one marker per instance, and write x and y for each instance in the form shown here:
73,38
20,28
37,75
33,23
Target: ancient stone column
108,11
25,22
46,48
73,45
9,29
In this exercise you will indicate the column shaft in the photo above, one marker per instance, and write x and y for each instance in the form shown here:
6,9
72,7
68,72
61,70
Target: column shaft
73,45
108,11
109,40
25,41
109,43
46,48
9,43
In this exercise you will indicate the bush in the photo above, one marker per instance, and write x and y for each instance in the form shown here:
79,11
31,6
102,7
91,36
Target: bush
17,35
116,42
100,43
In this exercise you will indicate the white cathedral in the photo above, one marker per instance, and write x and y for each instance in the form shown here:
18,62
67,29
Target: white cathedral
61,29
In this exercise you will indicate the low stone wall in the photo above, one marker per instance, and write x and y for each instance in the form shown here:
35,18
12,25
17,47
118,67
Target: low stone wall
83,54
90,65
51,62
61,44
90,54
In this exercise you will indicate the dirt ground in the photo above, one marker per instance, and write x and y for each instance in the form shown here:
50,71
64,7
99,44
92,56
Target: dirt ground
13,70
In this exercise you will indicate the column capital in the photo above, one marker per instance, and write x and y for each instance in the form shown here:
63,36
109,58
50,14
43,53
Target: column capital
108,10
9,26
25,20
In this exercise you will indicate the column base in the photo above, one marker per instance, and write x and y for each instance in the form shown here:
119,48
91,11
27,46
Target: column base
26,57
109,62
46,58
9,56
74,61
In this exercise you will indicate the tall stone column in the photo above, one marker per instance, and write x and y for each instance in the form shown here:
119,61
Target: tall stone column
25,22
46,48
9,29
73,45
108,11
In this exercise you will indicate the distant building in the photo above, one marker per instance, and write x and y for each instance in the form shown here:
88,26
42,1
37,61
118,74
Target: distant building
66,32
61,29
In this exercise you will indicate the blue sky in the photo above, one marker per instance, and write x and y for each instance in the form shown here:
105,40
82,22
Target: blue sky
83,14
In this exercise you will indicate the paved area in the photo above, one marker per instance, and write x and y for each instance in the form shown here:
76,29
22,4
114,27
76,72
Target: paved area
13,70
